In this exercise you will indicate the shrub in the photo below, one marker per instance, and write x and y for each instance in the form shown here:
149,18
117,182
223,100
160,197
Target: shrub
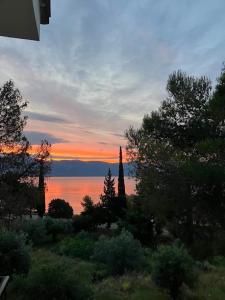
36,231
121,253
59,208
82,222
80,246
129,287
56,227
173,266
14,253
55,280
42,231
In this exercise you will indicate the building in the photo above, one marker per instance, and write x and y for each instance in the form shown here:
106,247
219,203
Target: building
22,18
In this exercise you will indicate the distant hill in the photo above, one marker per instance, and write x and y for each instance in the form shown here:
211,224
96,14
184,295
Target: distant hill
69,168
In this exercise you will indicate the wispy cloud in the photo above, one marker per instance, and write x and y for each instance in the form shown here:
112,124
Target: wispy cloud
35,137
45,117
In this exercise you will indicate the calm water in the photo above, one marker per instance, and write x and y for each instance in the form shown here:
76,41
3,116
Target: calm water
73,189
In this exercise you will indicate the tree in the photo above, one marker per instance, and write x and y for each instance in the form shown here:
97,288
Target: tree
18,168
178,158
14,158
121,183
172,267
109,188
59,208
108,198
140,224
44,168
12,121
88,205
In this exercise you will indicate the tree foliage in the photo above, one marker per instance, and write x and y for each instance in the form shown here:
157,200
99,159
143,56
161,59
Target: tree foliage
14,253
18,168
178,157
59,208
88,205
121,183
57,280
172,267
12,121
121,253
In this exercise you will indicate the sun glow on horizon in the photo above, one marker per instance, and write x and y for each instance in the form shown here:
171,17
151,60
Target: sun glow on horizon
70,152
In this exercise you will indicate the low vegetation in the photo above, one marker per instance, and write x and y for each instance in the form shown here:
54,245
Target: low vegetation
120,254
14,253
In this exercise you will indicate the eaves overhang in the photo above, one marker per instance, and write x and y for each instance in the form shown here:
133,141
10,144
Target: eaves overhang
22,18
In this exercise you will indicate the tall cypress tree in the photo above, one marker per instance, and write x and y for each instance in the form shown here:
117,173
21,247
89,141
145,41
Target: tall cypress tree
41,189
121,183
43,160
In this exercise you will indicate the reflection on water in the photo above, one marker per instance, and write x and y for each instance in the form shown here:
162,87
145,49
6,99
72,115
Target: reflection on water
73,189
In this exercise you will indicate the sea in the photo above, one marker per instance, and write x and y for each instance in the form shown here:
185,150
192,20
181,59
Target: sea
73,189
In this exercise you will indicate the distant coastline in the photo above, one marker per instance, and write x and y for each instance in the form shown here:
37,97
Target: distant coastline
78,168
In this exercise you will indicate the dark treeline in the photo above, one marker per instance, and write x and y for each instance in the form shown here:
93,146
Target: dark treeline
19,193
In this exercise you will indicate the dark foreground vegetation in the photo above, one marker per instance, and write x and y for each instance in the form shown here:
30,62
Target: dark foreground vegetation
102,265
166,242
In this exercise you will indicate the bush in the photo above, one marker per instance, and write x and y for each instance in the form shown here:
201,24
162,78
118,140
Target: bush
82,222
55,280
80,246
42,231
173,266
121,253
36,231
59,208
56,227
129,287
14,253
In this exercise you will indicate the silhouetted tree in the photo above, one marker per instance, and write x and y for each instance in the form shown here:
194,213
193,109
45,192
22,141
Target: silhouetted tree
44,167
178,157
88,205
108,198
12,121
18,168
121,183
109,188
41,189
60,209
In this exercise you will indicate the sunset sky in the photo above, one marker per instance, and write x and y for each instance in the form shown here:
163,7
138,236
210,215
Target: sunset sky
102,64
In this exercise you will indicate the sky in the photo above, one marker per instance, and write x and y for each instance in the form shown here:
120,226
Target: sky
101,65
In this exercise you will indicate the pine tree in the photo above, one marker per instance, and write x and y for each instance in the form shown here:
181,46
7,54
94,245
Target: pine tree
109,189
108,198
